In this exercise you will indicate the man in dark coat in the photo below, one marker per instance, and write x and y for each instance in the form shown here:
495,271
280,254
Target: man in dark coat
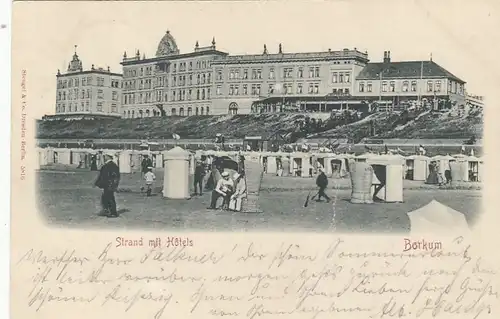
199,174
93,163
108,180
322,183
146,162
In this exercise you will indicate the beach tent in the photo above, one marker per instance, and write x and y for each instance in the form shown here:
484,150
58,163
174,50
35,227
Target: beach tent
300,164
42,159
417,167
459,170
473,168
125,163
438,219
63,156
388,170
481,169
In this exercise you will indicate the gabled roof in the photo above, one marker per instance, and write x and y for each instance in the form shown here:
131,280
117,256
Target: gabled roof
405,69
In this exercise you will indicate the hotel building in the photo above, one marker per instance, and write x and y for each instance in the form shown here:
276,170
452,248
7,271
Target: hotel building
397,82
170,83
275,79
211,82
94,92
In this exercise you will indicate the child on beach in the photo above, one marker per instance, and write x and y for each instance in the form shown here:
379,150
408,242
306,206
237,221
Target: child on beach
150,177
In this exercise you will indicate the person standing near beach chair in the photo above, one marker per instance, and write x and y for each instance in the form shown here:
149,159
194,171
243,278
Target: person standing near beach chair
199,174
150,178
239,193
108,180
145,164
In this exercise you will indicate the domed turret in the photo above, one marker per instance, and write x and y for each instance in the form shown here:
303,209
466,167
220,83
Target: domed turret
167,46
75,64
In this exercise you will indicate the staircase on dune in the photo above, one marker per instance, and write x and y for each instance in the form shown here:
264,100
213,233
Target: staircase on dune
253,177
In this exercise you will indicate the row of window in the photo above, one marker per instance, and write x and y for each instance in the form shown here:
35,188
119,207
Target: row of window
341,77
142,72
152,113
73,95
85,81
84,94
257,73
287,88
181,80
83,107
406,86
176,67
184,66
179,95
63,84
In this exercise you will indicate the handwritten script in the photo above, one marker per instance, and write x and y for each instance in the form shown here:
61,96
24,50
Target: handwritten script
253,281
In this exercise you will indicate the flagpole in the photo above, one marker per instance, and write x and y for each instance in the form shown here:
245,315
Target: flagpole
421,80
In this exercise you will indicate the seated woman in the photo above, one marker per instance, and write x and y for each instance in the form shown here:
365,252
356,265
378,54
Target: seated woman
224,189
239,193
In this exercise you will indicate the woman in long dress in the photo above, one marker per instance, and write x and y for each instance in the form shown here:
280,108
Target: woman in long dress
240,192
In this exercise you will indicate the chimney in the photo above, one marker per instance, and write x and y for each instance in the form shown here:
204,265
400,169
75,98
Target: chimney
387,56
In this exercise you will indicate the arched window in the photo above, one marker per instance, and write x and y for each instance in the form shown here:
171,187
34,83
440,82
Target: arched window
203,94
197,110
147,113
190,111
181,111
124,114
174,112
233,108
128,114
133,114
140,113
201,111
198,94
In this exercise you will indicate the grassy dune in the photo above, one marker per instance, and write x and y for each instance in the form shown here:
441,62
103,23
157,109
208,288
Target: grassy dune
387,125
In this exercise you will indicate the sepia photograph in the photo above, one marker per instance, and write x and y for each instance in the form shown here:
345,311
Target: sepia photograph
217,128
254,159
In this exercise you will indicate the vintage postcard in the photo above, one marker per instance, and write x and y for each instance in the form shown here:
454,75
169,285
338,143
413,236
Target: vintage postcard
281,159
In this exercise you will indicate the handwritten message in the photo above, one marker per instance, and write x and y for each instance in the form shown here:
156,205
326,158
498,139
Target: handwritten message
262,281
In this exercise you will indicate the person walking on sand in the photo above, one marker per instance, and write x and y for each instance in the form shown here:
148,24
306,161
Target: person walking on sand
108,180
150,178
322,183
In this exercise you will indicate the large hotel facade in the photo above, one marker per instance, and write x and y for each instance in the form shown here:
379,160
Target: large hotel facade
207,81
80,92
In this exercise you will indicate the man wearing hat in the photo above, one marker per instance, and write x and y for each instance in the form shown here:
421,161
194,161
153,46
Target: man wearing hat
108,180
322,183
224,188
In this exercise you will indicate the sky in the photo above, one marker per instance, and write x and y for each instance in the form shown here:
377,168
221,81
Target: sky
460,34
